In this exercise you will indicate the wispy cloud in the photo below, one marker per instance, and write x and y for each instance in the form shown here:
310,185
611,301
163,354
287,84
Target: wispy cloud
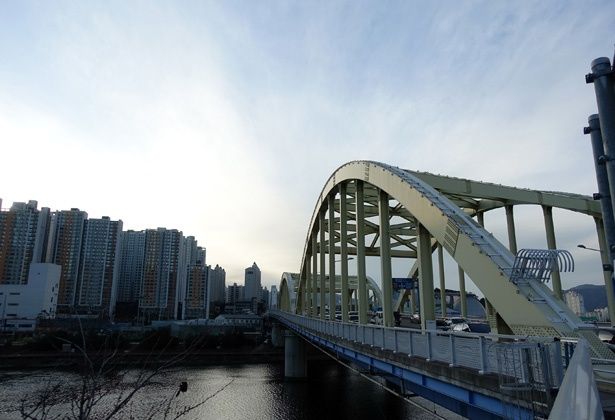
225,119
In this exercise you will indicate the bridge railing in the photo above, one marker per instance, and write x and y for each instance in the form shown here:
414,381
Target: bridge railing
487,353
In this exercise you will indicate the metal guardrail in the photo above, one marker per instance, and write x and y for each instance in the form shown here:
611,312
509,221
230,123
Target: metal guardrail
481,352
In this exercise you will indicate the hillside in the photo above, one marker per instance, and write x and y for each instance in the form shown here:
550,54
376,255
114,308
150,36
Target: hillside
594,296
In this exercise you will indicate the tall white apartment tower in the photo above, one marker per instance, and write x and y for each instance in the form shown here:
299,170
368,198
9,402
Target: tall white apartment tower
252,283
131,266
162,270
575,302
64,249
217,280
99,267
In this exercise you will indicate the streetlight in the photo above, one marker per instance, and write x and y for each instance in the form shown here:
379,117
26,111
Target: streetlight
588,248
605,267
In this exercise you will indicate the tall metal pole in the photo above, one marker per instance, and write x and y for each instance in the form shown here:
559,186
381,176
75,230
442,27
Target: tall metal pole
606,236
344,251
426,295
462,292
314,273
385,259
607,274
332,296
603,78
602,179
510,224
547,212
361,276
322,251
442,281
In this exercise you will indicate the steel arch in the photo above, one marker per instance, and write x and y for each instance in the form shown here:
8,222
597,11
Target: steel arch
527,309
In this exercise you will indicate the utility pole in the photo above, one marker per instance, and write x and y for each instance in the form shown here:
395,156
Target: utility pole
602,127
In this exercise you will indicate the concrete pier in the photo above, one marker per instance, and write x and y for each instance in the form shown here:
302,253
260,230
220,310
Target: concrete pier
277,335
295,360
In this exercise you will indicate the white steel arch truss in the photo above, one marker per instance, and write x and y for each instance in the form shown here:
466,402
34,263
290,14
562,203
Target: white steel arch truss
414,216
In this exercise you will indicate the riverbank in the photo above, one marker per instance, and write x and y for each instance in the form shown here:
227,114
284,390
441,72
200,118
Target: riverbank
138,359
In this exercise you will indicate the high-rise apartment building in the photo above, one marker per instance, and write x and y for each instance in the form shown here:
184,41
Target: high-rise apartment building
265,296
575,302
197,296
23,240
195,285
217,280
234,294
201,256
273,297
161,274
64,249
99,267
131,266
252,282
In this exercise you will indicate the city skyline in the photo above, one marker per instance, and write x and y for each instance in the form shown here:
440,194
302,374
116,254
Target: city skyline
235,109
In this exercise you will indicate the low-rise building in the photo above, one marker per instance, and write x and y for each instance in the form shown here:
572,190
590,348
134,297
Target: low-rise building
242,321
36,299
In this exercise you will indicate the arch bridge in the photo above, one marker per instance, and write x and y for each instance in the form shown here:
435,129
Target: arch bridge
371,209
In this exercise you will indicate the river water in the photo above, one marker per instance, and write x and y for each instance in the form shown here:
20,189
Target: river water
256,391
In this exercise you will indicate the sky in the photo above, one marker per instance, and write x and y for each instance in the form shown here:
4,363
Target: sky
224,119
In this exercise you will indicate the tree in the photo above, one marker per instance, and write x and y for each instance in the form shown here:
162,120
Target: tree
106,383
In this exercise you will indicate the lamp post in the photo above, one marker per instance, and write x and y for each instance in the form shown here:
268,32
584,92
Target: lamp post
588,248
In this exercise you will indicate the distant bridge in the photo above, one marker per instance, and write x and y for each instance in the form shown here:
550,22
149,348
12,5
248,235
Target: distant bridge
372,209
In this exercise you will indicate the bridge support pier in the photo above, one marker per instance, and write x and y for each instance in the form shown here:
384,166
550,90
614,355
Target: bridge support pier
295,359
277,335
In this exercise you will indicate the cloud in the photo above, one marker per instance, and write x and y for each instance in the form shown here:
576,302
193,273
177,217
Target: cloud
225,119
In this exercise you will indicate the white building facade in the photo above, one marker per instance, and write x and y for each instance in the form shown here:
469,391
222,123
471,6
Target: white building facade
36,299
252,283
575,302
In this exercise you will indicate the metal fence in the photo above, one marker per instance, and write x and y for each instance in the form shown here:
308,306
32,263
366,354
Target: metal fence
481,352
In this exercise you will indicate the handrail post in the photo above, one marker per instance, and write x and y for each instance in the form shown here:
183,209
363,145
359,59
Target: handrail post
451,338
395,338
428,358
483,355
410,349
559,368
